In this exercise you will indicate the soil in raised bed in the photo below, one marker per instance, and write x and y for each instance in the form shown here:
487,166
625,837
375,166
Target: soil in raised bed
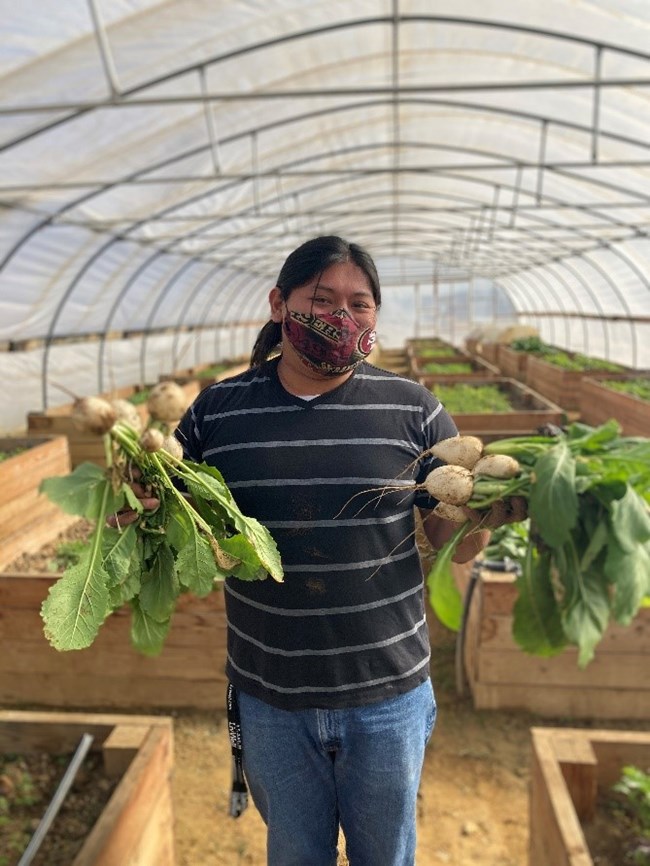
613,837
27,784
51,557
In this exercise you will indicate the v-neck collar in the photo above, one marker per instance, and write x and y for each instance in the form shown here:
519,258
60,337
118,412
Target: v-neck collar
301,401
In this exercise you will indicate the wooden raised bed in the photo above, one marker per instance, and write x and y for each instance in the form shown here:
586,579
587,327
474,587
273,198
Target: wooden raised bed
569,766
28,520
110,674
512,363
530,411
488,351
559,385
86,446
615,685
137,825
598,404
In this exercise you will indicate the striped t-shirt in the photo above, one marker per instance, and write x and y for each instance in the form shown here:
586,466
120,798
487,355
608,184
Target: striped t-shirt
332,480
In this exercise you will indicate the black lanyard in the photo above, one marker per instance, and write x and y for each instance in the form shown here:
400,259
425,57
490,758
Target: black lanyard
239,791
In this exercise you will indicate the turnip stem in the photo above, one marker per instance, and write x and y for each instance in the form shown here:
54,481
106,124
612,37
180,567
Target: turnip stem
486,493
159,460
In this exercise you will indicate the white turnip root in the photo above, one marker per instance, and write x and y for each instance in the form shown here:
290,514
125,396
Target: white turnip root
93,415
128,413
497,466
172,446
152,440
459,450
451,484
167,402
450,512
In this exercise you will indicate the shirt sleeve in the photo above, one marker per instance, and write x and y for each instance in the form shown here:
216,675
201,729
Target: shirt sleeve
188,431
437,424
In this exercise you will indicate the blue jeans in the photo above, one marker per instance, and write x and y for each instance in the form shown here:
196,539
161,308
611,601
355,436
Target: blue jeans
311,770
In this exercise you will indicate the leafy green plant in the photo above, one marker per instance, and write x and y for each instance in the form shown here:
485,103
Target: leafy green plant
139,397
634,786
437,351
481,399
12,452
67,553
532,345
450,368
579,363
560,358
509,541
634,387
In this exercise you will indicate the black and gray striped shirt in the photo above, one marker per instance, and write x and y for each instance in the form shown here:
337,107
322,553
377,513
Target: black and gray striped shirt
332,479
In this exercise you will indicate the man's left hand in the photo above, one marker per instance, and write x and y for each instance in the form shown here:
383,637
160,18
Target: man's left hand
512,510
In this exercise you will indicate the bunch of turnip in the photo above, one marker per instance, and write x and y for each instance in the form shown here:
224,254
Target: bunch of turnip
163,525
587,557
471,477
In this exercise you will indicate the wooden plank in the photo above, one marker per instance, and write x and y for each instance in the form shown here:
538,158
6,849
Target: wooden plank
615,749
55,732
495,633
155,844
512,364
498,592
122,662
90,691
28,590
598,404
28,507
24,472
120,748
189,632
556,837
620,670
115,836
27,519
578,764
563,701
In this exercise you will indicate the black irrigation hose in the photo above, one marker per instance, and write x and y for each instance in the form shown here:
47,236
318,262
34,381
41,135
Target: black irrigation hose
57,800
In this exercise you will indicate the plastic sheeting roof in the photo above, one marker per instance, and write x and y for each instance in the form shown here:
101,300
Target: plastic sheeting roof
158,160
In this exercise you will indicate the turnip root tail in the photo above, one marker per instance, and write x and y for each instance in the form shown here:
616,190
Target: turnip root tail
380,491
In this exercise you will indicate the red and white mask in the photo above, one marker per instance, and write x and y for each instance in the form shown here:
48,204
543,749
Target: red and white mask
331,343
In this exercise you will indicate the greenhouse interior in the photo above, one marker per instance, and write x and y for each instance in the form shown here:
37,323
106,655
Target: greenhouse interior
160,161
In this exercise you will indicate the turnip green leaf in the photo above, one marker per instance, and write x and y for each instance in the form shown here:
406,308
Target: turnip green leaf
147,634
553,499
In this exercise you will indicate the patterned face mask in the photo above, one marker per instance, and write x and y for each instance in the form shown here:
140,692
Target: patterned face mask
331,343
